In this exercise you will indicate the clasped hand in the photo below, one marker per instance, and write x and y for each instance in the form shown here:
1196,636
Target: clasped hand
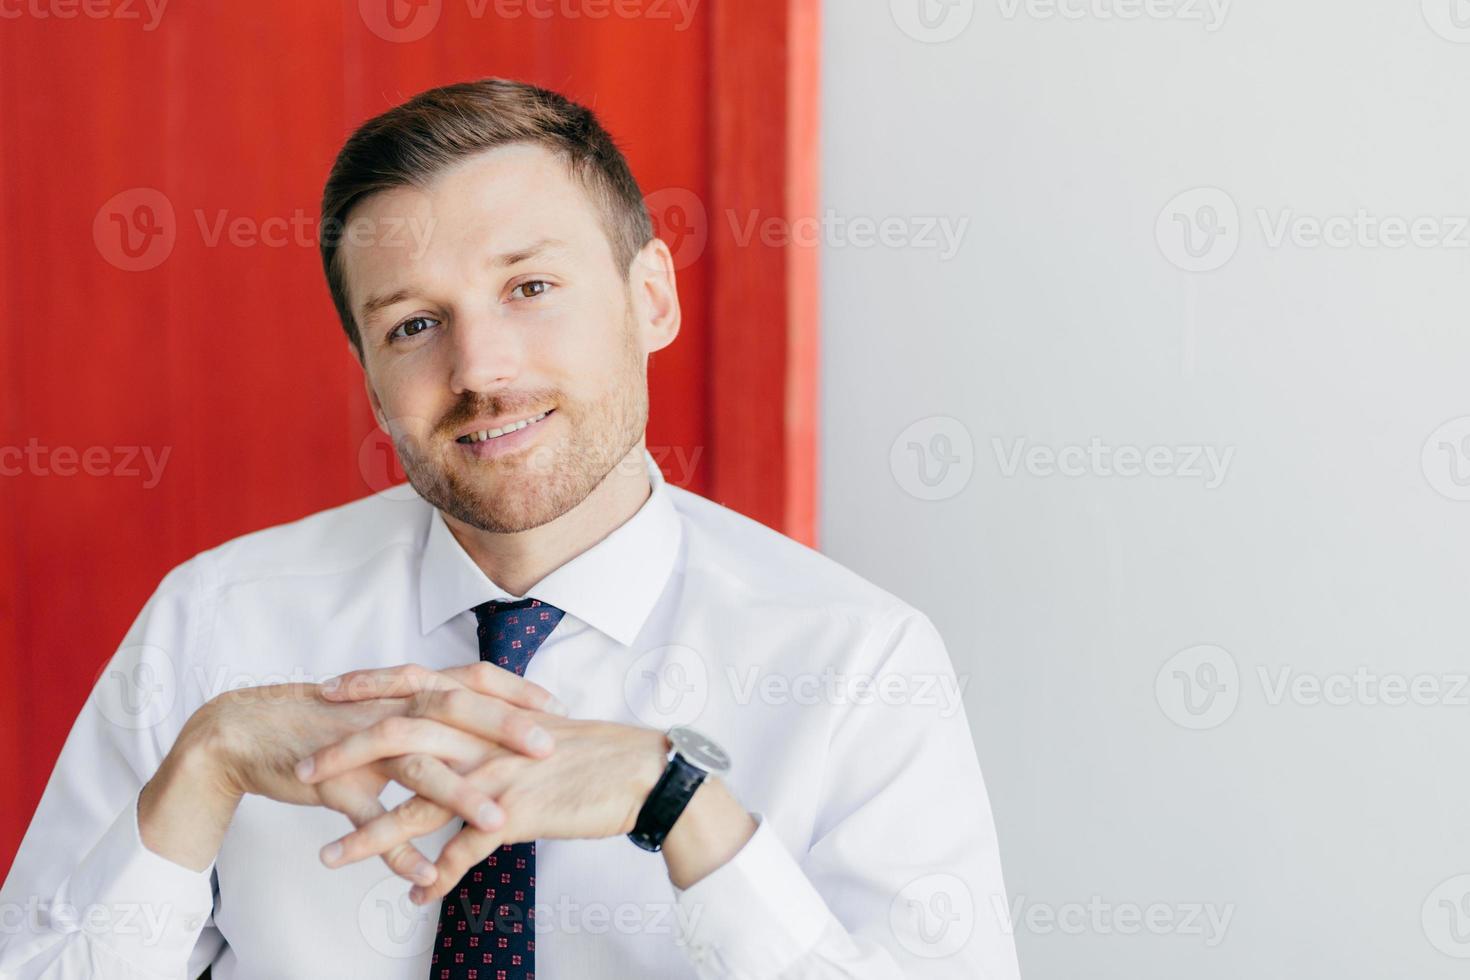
484,744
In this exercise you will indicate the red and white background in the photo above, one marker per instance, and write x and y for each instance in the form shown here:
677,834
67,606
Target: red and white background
173,371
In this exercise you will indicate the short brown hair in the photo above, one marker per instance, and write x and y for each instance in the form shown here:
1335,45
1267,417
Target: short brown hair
411,144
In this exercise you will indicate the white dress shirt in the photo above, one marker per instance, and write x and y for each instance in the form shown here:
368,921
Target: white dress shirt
875,853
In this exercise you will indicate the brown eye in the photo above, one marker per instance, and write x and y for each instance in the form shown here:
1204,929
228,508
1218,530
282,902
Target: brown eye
410,327
533,288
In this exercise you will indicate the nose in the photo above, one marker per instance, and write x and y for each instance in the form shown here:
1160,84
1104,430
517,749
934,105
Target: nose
486,352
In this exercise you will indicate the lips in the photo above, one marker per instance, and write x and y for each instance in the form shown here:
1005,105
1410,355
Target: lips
488,434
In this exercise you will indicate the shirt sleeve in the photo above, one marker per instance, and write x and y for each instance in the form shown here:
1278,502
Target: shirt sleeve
84,896
902,878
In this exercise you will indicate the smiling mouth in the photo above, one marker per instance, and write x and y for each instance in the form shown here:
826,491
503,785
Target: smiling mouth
486,435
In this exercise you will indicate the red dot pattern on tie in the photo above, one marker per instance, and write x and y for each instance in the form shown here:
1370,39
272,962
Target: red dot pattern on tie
487,921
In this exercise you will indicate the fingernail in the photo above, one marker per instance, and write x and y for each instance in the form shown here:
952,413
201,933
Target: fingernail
331,683
304,768
425,873
556,707
416,895
539,740
488,816
331,853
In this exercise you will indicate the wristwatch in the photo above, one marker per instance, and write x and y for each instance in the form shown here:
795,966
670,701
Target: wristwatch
693,757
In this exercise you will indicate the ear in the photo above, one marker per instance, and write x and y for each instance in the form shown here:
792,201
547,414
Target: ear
655,293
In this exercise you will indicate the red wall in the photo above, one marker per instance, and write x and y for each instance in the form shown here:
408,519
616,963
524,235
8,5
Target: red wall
223,350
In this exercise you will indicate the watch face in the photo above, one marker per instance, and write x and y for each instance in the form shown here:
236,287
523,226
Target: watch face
700,750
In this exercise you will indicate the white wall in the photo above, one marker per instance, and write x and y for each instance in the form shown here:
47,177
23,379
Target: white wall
1333,547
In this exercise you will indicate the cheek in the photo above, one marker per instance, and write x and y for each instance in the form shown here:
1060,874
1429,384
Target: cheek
412,399
585,350
560,350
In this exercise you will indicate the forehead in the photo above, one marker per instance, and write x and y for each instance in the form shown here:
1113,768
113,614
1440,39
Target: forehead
493,202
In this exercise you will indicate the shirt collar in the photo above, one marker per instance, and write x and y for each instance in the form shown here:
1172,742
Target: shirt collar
611,586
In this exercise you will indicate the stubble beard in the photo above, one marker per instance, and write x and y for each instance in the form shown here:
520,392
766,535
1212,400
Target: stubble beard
541,483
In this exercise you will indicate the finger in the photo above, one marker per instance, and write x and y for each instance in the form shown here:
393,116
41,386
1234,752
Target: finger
384,682
387,832
487,678
394,829
389,737
442,794
408,679
363,808
488,717
403,859
465,850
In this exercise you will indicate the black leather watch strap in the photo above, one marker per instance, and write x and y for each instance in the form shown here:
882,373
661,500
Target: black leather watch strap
671,794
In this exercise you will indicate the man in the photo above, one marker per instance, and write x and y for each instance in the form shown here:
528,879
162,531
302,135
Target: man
544,650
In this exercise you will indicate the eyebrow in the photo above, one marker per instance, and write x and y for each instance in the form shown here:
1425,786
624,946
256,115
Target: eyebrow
380,302
529,252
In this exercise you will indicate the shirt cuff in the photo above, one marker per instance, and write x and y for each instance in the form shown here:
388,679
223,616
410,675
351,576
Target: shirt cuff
142,906
754,915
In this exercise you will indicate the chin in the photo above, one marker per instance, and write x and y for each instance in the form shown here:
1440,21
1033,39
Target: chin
509,501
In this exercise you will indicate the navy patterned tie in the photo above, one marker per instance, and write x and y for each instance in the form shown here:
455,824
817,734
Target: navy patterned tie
486,923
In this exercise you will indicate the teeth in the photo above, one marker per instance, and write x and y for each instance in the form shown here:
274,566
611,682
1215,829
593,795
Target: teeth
505,430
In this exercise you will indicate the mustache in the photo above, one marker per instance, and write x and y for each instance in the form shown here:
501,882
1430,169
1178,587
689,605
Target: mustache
496,406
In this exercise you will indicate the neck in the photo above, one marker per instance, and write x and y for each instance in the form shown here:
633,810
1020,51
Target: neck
516,561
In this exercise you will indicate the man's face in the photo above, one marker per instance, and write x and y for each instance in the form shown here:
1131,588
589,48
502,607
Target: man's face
504,308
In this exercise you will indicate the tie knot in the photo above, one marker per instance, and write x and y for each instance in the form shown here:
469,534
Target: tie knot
510,632
495,610
487,609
